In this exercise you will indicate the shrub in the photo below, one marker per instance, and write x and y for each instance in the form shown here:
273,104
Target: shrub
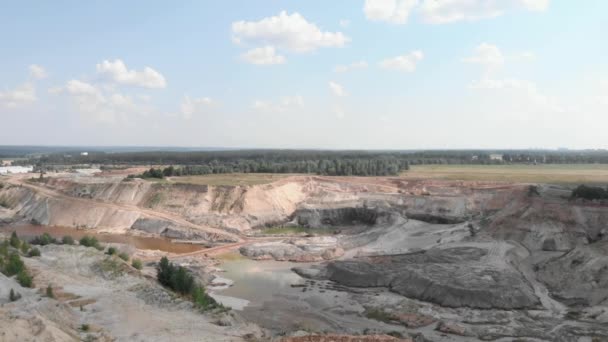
24,279
34,252
124,256
111,251
178,279
136,263
14,265
85,327
67,240
49,291
589,192
90,241
14,241
14,296
25,247
43,240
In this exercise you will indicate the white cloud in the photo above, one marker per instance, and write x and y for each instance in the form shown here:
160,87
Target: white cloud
392,11
344,23
351,66
263,56
118,72
448,11
405,63
337,89
284,104
487,55
21,95
190,106
287,31
37,72
522,91
98,106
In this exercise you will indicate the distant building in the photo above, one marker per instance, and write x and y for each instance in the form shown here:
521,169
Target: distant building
15,169
495,156
84,153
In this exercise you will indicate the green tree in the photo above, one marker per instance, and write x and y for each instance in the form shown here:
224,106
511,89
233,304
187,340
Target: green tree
14,241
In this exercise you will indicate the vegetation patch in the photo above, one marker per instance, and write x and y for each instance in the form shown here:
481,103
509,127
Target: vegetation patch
155,200
590,192
181,281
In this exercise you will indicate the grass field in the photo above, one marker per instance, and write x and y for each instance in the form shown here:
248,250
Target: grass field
230,179
561,173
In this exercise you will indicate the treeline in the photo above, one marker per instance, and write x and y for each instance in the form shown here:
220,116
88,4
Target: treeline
336,167
590,192
180,280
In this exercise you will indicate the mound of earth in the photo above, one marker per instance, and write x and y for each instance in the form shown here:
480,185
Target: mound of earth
451,277
316,248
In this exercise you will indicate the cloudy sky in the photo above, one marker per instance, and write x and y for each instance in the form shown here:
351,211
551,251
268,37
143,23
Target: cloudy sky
398,74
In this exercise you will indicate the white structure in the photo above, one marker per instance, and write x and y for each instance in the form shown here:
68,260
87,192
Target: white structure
494,156
84,153
15,169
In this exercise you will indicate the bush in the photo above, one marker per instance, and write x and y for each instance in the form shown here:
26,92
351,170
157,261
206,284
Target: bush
14,241
90,241
34,252
136,263
25,247
85,327
24,279
14,296
124,256
14,265
43,240
589,192
111,251
178,279
49,291
67,240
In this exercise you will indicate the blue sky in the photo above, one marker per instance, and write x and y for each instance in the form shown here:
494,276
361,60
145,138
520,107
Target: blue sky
398,74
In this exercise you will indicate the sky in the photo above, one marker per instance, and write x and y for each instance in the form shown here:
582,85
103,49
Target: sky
340,74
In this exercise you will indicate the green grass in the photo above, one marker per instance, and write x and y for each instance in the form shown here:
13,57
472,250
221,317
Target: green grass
231,179
555,173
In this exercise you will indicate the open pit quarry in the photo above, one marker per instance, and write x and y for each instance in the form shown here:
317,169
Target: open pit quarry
366,259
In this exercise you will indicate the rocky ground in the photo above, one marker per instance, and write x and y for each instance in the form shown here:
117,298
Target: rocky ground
425,260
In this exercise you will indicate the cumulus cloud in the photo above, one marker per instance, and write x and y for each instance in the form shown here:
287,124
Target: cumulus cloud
351,66
337,89
117,71
487,55
190,106
94,104
449,11
263,56
284,104
392,11
446,11
37,72
287,31
405,63
21,95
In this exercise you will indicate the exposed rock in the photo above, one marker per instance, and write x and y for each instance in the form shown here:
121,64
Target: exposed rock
451,328
298,250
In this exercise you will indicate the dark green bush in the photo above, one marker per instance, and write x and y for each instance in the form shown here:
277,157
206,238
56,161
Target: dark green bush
14,296
589,192
111,251
49,291
43,240
24,279
14,241
67,240
90,241
34,252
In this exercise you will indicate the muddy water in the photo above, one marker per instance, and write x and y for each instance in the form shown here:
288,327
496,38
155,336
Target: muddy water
139,242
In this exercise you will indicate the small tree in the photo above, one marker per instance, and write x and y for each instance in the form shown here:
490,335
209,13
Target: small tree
111,251
14,296
67,240
49,291
34,252
14,241
24,279
136,263
124,256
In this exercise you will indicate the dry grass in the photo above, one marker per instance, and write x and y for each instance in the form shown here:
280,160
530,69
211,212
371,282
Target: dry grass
560,174
230,179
